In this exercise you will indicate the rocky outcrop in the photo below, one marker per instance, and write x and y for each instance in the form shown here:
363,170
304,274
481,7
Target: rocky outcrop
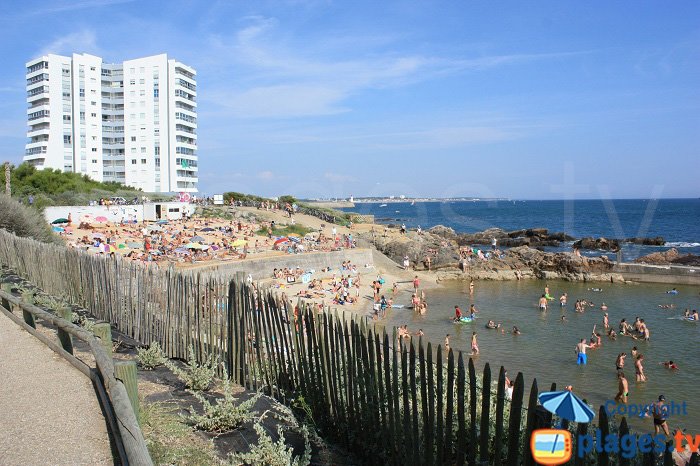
599,244
670,257
658,241
533,237
523,261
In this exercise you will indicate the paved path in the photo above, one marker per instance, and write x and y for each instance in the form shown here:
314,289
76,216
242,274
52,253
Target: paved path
49,412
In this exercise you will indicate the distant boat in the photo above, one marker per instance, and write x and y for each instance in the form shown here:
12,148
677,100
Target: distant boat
383,205
413,202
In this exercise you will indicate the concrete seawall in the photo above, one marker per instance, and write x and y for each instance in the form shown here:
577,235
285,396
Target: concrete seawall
674,274
262,268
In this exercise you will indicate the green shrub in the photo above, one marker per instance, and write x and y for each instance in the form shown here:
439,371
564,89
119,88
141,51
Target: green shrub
87,324
270,453
25,221
151,357
195,376
225,414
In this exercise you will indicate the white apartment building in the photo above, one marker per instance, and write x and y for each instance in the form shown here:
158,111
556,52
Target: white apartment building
133,122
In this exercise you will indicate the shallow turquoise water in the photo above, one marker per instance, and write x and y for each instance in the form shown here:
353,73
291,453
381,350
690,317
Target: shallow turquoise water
545,349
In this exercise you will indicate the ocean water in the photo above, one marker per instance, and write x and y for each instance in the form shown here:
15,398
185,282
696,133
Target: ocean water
545,349
676,220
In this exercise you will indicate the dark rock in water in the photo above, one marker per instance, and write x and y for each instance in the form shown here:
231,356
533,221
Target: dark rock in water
534,237
658,241
603,244
670,257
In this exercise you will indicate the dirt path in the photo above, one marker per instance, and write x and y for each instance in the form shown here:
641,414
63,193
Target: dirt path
48,410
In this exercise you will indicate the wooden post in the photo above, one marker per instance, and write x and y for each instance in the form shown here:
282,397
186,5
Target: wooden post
126,372
103,331
7,288
8,179
485,415
64,337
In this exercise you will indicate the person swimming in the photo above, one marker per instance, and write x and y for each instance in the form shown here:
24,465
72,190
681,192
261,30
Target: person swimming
673,291
597,290
491,324
516,330
669,364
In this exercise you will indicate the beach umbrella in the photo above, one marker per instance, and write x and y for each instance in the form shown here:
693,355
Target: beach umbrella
162,222
135,245
101,219
87,218
154,228
193,246
155,252
122,246
107,248
214,247
282,240
207,229
566,405
58,229
182,251
59,221
239,242
197,239
293,235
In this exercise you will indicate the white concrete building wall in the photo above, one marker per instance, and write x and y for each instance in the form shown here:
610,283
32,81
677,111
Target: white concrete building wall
87,115
134,123
183,160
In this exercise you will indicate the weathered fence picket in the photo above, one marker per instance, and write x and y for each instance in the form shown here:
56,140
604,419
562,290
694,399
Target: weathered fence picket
389,401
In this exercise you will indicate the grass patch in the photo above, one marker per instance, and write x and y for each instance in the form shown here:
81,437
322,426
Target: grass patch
215,212
25,221
297,229
170,441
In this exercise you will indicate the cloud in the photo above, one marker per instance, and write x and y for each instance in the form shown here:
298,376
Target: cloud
266,175
60,7
338,178
81,41
278,78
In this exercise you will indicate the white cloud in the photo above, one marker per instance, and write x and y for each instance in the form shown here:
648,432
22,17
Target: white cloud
338,178
59,7
266,175
78,42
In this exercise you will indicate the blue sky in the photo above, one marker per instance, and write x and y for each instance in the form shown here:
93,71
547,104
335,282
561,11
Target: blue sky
536,100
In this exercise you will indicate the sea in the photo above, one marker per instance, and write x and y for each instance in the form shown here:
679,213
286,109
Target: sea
545,348
677,221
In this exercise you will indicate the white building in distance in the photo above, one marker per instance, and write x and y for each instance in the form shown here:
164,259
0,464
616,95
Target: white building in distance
133,122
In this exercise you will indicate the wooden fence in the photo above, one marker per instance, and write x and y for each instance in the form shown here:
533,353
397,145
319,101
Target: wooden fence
389,402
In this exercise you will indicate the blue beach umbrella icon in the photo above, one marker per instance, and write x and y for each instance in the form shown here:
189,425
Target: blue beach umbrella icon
566,405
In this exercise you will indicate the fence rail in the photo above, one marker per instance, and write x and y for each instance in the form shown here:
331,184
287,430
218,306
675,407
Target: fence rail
131,445
389,401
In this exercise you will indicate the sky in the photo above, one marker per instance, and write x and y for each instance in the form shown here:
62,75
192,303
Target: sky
321,99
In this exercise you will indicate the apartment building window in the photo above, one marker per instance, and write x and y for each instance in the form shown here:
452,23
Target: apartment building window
133,150
133,138
94,160
157,162
94,149
93,115
143,150
93,103
156,150
82,93
133,161
142,92
142,116
66,138
92,68
142,81
132,93
142,70
132,70
143,161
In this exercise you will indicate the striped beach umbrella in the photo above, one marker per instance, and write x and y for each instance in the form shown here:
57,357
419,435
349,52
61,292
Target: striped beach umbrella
566,405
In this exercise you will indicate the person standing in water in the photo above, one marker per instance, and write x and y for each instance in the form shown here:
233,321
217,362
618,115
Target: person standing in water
416,284
475,344
581,357
622,388
543,303
639,369
458,314
562,300
605,321
447,342
471,287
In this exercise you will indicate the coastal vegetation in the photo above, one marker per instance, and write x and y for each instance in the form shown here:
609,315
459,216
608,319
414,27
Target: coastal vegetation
25,221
